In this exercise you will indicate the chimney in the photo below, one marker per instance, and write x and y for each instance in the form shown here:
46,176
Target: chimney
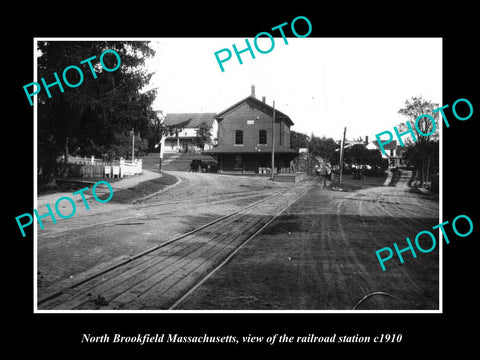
263,99
366,140
253,91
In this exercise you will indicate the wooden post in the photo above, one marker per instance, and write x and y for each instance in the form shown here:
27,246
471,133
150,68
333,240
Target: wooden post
161,142
133,144
342,147
273,140
161,155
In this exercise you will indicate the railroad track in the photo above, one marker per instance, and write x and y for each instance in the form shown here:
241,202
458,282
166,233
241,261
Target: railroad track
155,207
164,276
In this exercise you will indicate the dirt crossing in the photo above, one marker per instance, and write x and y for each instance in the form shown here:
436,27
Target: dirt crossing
111,230
155,280
320,255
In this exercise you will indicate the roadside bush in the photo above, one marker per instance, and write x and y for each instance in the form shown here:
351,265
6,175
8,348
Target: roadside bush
68,170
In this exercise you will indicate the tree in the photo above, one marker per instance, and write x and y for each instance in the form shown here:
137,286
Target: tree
298,140
375,160
356,155
323,147
413,109
422,154
91,118
204,135
424,157
359,156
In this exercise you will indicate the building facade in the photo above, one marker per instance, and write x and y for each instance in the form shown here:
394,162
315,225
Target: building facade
187,139
393,153
245,137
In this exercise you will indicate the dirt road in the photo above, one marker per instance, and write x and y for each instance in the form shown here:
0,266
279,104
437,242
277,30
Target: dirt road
157,278
109,231
320,255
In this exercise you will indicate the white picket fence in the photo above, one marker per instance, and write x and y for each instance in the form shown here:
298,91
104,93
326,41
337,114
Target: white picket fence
85,160
127,168
92,167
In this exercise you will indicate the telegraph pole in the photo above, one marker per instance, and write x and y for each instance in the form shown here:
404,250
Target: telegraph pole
273,140
161,135
342,147
133,144
161,155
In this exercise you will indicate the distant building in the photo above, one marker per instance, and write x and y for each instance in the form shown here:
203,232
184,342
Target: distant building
350,143
187,139
245,134
394,153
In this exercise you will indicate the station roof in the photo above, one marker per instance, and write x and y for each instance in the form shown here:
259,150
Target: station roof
262,106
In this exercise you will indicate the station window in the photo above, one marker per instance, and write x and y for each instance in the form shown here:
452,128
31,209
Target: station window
262,137
238,137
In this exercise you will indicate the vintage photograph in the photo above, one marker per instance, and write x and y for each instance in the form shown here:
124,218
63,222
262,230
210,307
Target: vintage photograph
293,180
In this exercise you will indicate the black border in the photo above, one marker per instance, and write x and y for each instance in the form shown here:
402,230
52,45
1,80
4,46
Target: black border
52,334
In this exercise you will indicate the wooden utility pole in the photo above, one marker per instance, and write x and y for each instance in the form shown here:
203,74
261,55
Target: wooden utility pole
273,140
133,144
342,147
161,156
161,137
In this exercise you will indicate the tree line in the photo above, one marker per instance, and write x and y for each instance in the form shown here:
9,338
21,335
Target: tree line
101,116
422,155
329,150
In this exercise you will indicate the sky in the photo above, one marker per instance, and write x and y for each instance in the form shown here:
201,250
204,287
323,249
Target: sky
322,84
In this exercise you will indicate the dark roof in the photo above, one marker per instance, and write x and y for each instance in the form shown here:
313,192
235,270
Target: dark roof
259,105
250,149
390,146
195,119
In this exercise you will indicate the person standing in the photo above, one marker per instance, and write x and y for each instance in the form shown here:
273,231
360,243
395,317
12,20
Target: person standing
323,174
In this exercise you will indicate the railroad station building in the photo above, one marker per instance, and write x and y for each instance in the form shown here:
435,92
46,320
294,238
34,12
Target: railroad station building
245,138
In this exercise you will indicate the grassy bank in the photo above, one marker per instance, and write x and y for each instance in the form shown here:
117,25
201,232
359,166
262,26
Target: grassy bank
143,189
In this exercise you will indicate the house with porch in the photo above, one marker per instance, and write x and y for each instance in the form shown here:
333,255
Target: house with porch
246,135
187,139
394,153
